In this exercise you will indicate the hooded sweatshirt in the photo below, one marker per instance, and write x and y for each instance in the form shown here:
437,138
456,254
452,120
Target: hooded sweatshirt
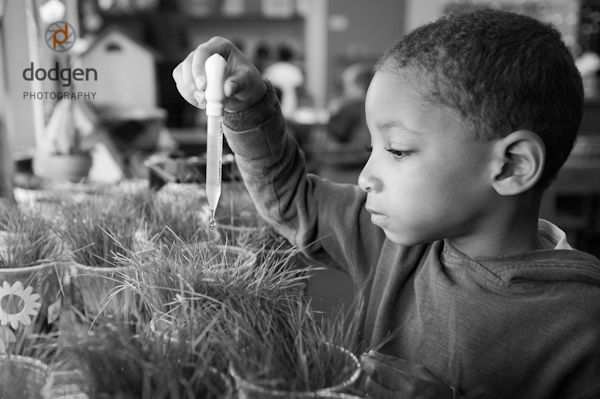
519,326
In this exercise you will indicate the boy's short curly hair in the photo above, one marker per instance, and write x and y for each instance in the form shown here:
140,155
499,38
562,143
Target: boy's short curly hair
501,72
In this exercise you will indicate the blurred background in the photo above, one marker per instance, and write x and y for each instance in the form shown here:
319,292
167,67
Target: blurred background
110,110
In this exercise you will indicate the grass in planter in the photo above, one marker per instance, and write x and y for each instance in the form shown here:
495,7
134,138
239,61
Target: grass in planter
257,317
290,350
98,230
235,214
180,272
191,296
170,221
262,238
141,366
27,379
29,238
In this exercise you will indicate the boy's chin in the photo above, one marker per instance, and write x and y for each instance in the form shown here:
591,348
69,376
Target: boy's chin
405,240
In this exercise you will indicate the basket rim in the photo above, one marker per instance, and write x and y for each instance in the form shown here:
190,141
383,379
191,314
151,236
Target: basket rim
113,269
38,266
30,361
307,394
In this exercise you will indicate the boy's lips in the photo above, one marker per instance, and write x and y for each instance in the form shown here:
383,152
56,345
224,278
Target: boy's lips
376,217
373,211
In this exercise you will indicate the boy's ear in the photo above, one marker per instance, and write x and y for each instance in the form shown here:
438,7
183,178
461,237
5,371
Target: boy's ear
518,162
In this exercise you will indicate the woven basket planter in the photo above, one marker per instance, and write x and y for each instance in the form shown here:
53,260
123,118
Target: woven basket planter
24,378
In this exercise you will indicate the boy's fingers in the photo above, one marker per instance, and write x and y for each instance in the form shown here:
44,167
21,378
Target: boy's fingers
187,79
186,92
185,89
200,98
177,73
216,45
197,66
238,85
232,87
188,95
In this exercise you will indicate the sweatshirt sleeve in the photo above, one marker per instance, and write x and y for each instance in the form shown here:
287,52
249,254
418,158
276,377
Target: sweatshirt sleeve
327,221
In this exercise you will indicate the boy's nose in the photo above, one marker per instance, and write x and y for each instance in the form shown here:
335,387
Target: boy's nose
363,182
366,181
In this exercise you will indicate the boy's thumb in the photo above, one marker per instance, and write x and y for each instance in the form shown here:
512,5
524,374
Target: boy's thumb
232,87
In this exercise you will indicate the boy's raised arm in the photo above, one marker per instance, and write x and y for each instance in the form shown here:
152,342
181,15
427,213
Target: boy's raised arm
302,207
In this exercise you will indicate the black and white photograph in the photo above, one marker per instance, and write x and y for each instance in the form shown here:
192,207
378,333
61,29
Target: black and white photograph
271,199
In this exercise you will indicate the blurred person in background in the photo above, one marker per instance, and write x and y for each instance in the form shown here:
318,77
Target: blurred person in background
287,78
347,127
262,56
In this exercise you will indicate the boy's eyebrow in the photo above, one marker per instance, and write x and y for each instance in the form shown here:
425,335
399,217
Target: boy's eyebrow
391,124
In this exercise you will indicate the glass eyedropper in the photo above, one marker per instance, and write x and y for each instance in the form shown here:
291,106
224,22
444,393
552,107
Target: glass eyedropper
215,75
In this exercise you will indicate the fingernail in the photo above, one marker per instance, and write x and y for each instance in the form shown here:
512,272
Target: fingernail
198,98
372,352
200,82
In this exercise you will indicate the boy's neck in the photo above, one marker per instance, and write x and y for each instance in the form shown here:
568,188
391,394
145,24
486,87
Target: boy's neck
512,230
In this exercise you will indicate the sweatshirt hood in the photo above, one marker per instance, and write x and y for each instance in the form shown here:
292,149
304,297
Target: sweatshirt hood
558,264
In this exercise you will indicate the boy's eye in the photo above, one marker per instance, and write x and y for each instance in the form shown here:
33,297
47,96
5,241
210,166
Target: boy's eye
398,153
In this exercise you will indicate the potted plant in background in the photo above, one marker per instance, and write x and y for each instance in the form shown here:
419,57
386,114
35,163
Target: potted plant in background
24,377
25,371
64,153
119,364
97,231
31,274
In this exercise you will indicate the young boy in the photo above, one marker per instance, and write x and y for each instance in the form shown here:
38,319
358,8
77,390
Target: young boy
470,119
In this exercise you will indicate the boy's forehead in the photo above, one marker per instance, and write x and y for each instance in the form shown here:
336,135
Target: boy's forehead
400,99
390,92
402,82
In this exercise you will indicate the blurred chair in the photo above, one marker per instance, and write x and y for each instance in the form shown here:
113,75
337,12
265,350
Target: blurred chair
572,202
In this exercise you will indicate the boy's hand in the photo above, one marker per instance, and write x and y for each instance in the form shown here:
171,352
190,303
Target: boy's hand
243,85
390,377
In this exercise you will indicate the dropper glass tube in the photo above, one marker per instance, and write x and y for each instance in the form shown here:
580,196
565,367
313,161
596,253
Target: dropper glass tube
215,75
214,159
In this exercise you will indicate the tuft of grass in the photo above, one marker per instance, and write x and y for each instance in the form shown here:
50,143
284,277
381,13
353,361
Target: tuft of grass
29,238
99,229
120,364
170,221
291,350
254,318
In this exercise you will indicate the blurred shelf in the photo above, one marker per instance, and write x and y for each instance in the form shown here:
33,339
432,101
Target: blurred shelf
253,18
